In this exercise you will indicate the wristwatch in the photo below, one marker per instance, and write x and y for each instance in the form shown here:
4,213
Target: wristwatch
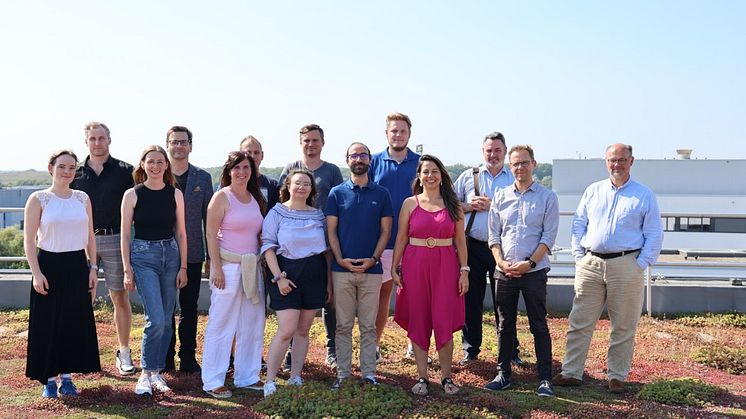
278,277
376,259
531,263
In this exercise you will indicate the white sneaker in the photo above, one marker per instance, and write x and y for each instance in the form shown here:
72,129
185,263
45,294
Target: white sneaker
124,362
159,384
269,388
295,381
143,385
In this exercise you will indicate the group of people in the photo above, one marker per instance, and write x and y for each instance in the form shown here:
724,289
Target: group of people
314,241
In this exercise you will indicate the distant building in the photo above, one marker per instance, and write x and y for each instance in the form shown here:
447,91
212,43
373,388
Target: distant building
15,198
693,195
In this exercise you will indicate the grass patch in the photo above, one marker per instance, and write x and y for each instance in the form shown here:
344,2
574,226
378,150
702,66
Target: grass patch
680,391
730,360
352,400
714,319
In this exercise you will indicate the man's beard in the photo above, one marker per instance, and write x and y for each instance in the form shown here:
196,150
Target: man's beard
359,168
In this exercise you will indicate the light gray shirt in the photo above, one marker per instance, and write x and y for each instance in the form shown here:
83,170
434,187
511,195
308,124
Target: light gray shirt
611,220
488,185
520,222
294,234
327,176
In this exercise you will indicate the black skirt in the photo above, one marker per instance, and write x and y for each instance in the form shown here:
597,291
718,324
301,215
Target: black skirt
62,330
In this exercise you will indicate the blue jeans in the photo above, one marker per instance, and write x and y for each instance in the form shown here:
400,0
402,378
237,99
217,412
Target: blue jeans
155,265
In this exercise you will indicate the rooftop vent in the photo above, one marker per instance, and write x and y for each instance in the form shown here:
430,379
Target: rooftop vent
684,153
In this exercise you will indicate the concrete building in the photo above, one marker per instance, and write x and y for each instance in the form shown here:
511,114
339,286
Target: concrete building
702,201
15,198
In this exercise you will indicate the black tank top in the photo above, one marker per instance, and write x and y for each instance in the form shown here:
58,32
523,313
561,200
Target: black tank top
155,213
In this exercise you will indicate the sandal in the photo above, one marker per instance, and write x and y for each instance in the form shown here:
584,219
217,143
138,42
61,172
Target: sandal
420,389
220,393
449,387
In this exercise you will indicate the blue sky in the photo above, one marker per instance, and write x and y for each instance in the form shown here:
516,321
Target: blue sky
567,77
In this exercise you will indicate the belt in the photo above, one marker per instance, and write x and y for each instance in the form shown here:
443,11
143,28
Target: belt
431,242
613,255
106,231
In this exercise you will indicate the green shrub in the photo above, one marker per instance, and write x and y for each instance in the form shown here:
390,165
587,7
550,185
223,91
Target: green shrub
680,391
443,410
715,319
11,244
353,400
731,360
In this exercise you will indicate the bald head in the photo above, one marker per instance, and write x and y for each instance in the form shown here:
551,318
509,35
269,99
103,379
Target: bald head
619,161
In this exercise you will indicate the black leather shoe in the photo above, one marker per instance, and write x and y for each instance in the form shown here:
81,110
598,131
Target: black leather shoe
170,366
517,361
189,366
468,359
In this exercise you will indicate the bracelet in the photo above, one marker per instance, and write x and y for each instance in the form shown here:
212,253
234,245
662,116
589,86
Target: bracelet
376,259
278,277
93,266
465,269
183,267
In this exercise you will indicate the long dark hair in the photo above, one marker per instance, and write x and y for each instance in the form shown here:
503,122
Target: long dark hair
285,188
446,186
234,158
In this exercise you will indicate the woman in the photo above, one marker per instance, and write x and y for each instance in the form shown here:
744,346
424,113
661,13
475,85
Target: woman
294,245
62,332
234,222
426,268
155,261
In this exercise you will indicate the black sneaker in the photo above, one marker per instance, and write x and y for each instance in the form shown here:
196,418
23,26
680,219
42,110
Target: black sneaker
517,361
288,362
337,384
545,389
500,382
370,380
468,359
189,366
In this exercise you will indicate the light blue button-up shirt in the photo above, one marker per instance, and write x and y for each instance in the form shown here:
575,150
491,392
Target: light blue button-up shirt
611,220
520,222
488,185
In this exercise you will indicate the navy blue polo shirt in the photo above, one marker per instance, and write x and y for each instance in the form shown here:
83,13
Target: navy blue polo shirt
359,212
397,178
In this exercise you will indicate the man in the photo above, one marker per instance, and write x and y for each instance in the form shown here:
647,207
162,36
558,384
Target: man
196,185
523,222
358,218
490,177
269,187
616,235
105,179
395,169
327,176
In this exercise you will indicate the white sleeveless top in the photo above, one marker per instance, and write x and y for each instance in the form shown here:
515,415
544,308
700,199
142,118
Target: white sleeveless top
64,222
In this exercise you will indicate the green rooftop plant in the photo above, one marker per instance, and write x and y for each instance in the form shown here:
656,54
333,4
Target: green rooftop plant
679,391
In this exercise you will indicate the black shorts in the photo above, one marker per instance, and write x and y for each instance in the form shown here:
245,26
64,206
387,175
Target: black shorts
309,275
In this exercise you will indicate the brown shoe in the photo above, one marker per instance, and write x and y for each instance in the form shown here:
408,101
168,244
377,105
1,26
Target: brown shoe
562,381
616,386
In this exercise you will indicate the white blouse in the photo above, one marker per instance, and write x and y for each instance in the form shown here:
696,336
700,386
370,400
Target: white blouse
64,221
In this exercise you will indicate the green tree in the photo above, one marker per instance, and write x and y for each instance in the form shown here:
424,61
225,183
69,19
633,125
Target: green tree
11,244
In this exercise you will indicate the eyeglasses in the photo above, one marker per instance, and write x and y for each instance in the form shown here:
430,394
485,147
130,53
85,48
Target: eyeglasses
617,161
524,163
303,184
178,142
358,156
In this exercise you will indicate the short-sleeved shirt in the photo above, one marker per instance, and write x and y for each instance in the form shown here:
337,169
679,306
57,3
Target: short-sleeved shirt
105,190
327,176
294,234
359,211
397,177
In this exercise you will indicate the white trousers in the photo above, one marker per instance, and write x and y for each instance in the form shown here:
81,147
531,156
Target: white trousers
232,314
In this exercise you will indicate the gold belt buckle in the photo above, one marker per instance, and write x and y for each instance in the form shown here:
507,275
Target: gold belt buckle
430,242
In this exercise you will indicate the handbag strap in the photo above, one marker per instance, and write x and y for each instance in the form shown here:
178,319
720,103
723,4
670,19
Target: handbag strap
475,174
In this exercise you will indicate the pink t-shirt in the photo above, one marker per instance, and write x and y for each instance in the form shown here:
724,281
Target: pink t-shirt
241,226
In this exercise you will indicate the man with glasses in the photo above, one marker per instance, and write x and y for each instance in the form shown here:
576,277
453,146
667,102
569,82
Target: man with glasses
105,179
523,223
394,168
489,177
327,176
269,187
616,235
358,217
196,185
